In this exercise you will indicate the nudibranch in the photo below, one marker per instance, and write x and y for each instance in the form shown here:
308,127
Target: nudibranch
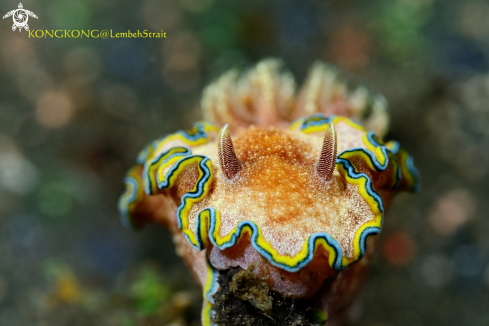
278,195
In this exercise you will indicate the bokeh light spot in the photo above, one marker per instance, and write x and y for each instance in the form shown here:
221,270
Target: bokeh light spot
32,81
451,211
467,260
128,58
55,200
17,174
54,109
398,249
432,270
160,15
182,52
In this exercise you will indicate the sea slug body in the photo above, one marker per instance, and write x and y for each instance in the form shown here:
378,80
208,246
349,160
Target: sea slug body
288,188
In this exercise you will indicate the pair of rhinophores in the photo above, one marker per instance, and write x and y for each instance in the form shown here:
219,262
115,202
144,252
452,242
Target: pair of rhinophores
290,184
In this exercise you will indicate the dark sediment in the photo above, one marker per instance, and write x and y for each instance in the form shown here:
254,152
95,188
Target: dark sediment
244,299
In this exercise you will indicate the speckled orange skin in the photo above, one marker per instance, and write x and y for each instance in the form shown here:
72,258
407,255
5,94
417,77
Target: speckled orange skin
278,178
273,181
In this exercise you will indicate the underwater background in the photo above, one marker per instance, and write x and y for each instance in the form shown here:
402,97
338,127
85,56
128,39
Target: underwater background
74,113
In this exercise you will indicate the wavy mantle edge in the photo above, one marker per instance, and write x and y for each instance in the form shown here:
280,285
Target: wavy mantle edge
377,157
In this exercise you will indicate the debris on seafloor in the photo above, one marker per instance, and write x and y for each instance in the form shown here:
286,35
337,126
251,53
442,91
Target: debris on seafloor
249,300
142,297
273,202
66,286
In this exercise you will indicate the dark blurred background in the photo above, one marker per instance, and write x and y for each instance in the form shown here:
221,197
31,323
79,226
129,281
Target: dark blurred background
75,112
